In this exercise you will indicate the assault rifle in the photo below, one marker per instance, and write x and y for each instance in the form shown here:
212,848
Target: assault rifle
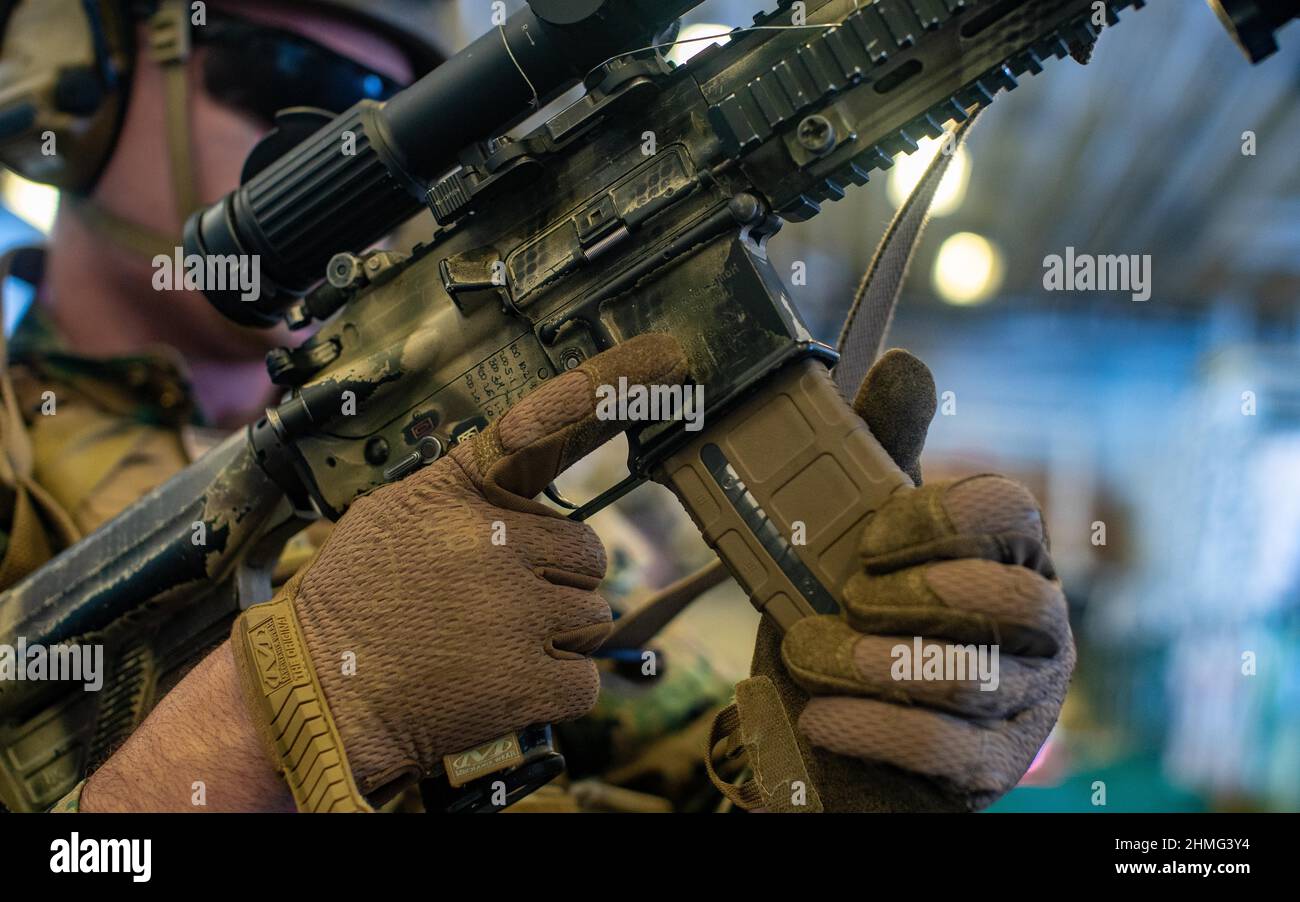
643,206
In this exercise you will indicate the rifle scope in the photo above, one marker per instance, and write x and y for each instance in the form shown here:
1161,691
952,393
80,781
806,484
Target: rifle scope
367,171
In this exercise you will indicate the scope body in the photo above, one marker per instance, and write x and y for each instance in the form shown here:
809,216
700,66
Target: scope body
367,171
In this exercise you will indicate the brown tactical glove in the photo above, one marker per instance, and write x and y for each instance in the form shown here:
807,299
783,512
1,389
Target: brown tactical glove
445,610
960,563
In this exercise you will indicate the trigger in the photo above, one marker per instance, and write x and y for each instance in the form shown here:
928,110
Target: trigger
554,494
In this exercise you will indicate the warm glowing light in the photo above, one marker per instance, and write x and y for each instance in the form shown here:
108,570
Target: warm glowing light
689,40
907,171
968,269
33,203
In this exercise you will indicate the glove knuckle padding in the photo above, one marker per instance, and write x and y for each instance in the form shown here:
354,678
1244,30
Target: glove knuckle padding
965,601
1026,612
825,656
983,516
991,503
818,653
956,564
978,743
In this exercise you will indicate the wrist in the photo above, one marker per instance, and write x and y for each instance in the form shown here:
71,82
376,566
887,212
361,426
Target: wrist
197,751
291,719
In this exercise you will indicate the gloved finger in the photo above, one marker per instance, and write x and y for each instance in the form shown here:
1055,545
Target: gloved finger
983,761
579,642
967,601
984,516
520,454
558,690
577,620
897,400
569,551
574,686
825,656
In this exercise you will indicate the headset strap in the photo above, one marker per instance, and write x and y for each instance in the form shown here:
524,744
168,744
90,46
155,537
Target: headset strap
170,46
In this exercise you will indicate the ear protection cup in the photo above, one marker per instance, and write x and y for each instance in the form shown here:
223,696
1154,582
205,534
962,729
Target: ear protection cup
65,70
66,67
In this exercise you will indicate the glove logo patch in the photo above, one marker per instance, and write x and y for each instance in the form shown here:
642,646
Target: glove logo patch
484,759
269,655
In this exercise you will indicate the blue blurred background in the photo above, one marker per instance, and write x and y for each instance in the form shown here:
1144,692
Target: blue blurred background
1162,436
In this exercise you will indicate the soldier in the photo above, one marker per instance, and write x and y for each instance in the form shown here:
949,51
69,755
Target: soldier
456,640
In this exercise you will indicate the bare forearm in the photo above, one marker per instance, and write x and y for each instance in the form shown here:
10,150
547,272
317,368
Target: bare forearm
197,751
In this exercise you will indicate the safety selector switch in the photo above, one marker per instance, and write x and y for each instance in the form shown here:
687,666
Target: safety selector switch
427,450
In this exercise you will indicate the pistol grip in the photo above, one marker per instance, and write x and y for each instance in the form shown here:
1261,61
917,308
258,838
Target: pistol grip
781,488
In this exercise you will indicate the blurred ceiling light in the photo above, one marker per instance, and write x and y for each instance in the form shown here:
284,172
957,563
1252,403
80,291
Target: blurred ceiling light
907,171
968,269
691,40
33,203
